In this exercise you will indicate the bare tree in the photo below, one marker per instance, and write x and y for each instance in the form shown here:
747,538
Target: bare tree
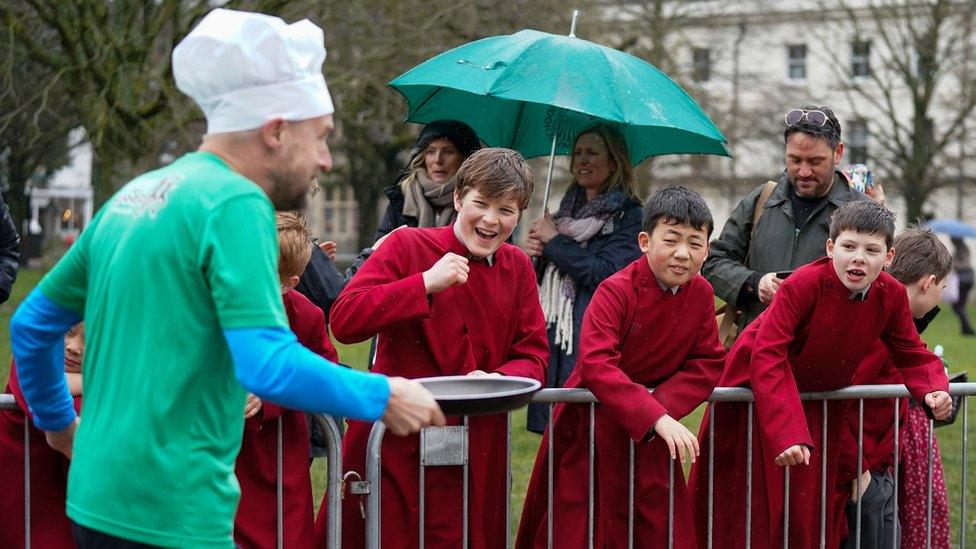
369,45
919,89
113,58
34,130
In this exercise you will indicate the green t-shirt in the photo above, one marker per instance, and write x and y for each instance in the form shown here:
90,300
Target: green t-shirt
175,257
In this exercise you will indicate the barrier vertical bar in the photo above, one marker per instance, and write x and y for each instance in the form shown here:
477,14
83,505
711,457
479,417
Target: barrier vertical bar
823,479
749,476
27,482
630,498
711,474
464,483
422,502
786,507
373,475
964,410
508,480
928,499
671,503
860,462
549,505
279,490
333,490
894,540
589,528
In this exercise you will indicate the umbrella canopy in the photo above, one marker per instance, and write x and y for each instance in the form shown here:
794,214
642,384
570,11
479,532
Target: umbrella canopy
525,89
952,227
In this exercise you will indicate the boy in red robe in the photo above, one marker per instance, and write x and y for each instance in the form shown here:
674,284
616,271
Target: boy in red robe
825,319
256,525
650,325
922,263
455,300
50,528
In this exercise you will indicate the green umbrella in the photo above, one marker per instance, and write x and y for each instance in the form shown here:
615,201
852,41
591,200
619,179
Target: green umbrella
534,92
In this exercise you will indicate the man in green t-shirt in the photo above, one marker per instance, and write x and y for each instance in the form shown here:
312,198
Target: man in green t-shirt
176,278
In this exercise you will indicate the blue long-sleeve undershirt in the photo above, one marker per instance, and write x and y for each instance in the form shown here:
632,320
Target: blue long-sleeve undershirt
272,364
268,362
37,340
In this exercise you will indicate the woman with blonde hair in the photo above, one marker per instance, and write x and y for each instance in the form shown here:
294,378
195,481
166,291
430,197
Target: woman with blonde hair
592,235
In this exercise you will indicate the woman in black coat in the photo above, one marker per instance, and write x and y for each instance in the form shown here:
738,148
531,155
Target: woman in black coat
592,235
423,196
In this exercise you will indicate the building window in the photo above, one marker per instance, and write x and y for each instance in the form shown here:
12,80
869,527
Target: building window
701,67
861,58
797,61
857,141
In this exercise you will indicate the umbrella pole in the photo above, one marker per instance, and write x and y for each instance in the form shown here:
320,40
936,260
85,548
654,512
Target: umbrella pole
552,160
555,133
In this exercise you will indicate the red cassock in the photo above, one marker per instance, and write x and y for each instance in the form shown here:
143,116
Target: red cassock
635,335
493,323
877,428
813,337
50,528
255,525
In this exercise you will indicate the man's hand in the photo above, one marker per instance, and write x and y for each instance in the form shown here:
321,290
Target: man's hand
449,270
63,440
860,485
330,248
410,408
679,439
941,404
768,286
794,455
876,192
251,406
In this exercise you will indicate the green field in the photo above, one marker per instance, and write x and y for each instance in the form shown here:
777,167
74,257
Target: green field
959,351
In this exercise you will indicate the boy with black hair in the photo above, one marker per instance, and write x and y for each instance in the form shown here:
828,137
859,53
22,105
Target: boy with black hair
649,325
825,319
448,300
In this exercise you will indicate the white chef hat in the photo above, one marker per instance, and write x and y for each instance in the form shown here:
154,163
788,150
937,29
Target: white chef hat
245,68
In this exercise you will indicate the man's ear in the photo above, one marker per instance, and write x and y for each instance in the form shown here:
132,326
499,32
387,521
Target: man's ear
271,133
838,153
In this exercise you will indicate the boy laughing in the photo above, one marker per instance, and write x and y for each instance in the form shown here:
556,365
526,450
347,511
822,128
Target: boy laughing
825,319
650,325
447,301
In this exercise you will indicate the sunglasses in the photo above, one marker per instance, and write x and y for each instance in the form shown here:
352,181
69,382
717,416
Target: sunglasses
815,117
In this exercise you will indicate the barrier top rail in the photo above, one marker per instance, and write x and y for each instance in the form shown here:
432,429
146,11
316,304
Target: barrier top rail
720,394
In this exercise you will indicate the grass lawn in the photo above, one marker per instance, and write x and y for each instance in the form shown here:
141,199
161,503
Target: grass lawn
959,351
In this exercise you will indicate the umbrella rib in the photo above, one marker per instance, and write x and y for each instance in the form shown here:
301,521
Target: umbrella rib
427,99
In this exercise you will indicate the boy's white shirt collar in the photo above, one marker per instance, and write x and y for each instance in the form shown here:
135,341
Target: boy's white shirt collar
673,290
860,295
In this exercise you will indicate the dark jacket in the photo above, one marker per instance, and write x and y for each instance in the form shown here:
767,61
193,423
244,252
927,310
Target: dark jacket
9,256
606,253
393,216
776,244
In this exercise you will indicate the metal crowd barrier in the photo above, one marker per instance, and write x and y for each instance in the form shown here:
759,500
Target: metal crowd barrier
333,492
721,394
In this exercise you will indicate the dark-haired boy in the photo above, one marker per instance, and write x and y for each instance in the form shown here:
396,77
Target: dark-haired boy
447,301
825,319
650,325
922,263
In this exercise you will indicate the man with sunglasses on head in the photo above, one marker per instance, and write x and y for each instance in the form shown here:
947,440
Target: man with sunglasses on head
745,263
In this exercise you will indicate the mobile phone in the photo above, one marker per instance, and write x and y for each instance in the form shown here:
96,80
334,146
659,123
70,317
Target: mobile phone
783,274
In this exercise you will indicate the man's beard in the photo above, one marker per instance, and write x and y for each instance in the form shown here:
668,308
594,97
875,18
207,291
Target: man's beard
285,195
